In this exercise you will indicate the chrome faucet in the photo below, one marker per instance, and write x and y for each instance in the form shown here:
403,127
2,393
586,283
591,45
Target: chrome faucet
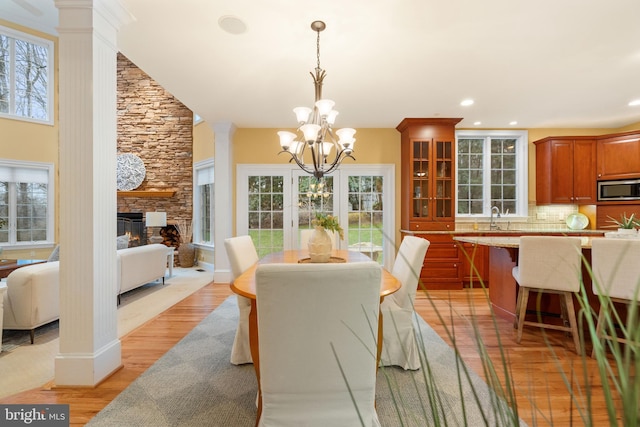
492,225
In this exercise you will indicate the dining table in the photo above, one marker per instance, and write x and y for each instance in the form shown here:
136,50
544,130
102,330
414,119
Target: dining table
245,285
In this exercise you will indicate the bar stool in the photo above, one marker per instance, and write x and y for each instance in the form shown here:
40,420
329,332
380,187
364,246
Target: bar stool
549,264
616,279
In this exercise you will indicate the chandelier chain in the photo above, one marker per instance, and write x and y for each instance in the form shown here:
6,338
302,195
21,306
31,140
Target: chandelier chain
318,50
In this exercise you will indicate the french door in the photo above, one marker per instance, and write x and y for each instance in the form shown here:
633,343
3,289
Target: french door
274,203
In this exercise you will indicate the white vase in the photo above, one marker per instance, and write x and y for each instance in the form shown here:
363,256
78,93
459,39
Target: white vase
627,231
319,245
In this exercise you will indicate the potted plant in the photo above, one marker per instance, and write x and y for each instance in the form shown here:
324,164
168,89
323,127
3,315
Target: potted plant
625,225
186,250
320,244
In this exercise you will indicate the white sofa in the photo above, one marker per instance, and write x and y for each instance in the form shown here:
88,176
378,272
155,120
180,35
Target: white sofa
132,275
32,298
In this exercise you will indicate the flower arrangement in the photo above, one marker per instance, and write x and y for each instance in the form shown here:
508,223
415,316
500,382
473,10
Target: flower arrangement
625,222
328,222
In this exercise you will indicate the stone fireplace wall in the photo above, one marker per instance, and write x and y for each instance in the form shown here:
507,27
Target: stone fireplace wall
158,128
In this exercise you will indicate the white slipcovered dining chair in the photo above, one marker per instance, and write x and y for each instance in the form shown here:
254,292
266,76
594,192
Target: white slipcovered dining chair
399,346
549,264
315,321
616,279
242,254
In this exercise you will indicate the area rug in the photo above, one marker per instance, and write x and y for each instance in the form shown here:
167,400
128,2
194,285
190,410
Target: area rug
24,366
194,384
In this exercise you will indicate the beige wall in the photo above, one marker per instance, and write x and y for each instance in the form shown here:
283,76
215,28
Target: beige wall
203,142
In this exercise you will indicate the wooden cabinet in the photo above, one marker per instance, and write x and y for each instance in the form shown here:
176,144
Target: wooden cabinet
565,170
603,212
428,173
474,265
441,268
619,156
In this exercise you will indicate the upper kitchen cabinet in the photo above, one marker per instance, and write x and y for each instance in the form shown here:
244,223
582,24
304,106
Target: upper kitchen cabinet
566,170
619,156
428,173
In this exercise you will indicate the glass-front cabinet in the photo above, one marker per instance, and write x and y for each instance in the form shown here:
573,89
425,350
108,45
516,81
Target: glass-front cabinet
428,171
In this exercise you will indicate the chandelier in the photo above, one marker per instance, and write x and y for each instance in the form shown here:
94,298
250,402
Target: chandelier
315,127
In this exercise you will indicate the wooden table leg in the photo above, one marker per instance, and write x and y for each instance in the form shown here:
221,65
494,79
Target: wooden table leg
255,353
379,353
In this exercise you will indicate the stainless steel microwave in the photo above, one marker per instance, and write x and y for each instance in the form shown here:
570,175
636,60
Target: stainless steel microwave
628,189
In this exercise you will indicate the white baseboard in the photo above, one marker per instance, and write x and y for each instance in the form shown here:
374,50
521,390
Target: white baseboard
206,266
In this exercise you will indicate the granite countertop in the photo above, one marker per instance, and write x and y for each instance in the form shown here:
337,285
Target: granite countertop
508,241
513,232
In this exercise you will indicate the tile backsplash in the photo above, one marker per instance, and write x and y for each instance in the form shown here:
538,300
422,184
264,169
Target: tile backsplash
546,217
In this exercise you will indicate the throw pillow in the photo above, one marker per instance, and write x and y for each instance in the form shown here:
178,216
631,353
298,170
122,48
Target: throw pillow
55,255
122,242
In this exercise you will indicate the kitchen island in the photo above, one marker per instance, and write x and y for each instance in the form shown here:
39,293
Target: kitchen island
503,290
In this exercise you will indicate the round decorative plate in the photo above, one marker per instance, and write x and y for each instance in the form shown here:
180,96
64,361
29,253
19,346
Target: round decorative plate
577,221
130,172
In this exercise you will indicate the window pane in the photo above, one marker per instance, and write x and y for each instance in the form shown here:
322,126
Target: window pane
364,229
491,172
4,74
265,216
31,218
204,215
31,80
25,71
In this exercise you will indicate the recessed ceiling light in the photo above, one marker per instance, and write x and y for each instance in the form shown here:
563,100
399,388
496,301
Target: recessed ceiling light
466,102
513,123
232,24
477,123
634,103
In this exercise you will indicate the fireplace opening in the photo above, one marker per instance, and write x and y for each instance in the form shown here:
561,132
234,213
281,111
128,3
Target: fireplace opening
132,224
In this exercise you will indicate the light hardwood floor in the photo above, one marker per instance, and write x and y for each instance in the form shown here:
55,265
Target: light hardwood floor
533,368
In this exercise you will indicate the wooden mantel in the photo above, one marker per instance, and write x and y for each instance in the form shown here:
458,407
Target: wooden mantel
147,193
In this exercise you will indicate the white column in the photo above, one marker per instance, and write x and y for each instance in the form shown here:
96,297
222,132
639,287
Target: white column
223,198
89,345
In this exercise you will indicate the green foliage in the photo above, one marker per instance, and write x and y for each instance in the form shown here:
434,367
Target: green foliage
624,221
615,380
328,222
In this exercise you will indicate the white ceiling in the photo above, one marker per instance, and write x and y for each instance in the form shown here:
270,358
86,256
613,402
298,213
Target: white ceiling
544,63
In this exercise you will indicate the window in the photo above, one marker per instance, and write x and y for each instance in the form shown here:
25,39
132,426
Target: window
262,191
203,203
26,204
26,71
491,171
274,203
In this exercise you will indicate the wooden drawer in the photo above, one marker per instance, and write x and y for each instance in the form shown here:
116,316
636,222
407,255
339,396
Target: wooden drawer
440,270
439,250
431,226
